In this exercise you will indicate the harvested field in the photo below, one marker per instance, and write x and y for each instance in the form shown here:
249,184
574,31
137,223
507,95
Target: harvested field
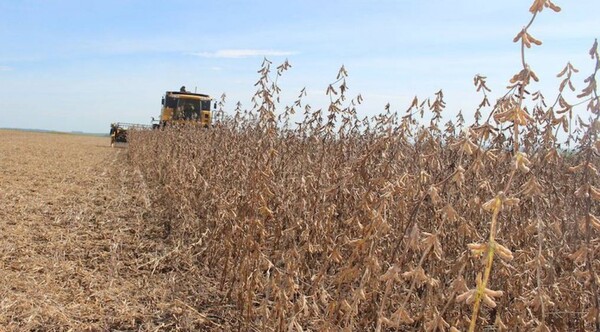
77,250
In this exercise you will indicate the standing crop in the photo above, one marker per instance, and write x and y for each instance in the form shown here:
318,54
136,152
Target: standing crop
348,223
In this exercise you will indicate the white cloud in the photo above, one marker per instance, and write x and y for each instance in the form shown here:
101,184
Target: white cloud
242,53
5,68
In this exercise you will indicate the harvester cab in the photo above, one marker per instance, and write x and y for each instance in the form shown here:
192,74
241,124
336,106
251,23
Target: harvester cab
182,107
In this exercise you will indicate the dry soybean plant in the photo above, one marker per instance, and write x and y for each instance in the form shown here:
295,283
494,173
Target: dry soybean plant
382,223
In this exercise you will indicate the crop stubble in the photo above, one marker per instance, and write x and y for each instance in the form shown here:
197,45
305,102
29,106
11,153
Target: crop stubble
74,251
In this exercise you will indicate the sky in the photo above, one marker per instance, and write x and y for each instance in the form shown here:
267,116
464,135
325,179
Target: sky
72,65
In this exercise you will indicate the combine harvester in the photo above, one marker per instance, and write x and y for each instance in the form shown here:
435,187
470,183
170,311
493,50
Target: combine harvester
179,108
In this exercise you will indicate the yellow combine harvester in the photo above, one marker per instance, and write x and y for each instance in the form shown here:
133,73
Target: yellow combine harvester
185,108
179,108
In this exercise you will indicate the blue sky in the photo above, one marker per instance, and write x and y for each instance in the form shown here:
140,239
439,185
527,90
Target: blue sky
80,65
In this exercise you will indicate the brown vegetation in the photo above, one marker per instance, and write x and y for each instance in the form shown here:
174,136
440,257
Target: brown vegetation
339,223
332,223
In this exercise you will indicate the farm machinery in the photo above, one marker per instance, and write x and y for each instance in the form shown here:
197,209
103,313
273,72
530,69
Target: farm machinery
118,131
179,108
185,108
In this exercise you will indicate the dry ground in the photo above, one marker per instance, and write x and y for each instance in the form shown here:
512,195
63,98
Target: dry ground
77,247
